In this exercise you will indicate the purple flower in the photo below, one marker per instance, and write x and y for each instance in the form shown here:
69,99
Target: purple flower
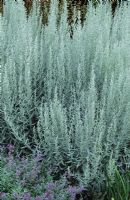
2,194
16,195
81,189
10,148
50,186
39,157
38,198
18,173
49,196
73,191
27,196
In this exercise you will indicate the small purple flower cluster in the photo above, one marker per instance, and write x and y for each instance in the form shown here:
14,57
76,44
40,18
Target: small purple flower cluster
10,148
73,191
2,195
26,196
28,173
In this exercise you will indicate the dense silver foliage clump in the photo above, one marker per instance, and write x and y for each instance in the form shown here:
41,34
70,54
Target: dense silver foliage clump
68,97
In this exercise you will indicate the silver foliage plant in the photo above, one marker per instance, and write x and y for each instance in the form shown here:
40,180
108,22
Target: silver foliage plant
69,98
